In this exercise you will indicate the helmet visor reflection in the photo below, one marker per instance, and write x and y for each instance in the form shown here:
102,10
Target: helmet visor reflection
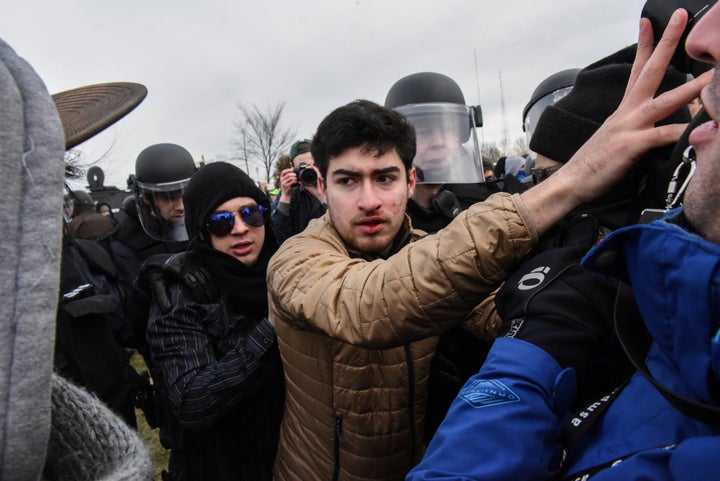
447,148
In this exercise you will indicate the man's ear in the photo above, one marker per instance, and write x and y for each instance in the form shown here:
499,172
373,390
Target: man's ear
321,189
412,181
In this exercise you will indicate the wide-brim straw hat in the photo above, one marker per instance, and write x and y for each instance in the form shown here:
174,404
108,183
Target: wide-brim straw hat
86,111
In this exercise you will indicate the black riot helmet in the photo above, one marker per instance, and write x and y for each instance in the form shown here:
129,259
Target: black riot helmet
163,163
549,91
659,12
162,171
424,88
434,104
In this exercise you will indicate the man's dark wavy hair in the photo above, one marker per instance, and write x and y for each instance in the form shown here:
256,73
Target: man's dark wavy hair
367,125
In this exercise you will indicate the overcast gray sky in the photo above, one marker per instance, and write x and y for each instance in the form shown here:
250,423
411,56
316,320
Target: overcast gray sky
199,58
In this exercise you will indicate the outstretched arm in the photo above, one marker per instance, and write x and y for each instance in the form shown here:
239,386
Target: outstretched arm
625,135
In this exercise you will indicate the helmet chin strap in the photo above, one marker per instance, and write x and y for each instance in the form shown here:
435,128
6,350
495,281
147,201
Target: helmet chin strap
633,329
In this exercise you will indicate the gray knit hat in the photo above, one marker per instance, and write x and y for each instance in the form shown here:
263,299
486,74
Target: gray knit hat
31,166
32,149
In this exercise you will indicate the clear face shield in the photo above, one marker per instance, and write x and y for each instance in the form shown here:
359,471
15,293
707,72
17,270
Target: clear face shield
161,211
448,151
533,115
68,207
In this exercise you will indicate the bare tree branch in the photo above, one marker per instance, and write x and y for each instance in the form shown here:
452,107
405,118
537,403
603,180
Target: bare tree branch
74,168
261,139
76,165
282,164
520,146
491,152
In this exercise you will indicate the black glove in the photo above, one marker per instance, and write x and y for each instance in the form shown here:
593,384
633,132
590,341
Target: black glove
151,279
156,269
553,302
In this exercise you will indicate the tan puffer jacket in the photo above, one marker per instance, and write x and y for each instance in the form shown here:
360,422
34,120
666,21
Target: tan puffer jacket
357,336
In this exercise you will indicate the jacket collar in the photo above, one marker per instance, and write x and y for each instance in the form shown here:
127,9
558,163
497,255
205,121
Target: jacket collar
675,276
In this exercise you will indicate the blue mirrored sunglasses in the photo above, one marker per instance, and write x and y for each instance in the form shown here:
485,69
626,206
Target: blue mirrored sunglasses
222,223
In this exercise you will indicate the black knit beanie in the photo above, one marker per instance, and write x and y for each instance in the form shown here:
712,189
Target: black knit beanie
209,187
565,126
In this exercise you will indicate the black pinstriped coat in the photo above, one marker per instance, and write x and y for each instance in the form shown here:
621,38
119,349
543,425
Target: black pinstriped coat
222,383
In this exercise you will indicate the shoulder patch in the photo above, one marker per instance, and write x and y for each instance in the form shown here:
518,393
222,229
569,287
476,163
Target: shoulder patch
483,393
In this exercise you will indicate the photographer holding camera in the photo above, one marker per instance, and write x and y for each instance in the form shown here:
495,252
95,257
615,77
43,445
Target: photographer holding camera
300,200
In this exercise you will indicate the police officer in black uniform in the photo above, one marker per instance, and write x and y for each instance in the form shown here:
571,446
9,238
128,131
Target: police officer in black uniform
448,163
154,224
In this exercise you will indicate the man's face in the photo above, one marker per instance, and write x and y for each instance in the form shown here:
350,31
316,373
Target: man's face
437,145
170,206
702,198
299,159
307,158
244,242
366,198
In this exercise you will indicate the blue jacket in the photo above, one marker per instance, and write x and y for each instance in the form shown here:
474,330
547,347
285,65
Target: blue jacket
507,420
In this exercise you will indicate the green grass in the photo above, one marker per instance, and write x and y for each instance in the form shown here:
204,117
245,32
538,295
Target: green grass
150,436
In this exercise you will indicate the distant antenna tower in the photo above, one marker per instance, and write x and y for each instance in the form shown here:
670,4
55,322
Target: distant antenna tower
477,86
505,130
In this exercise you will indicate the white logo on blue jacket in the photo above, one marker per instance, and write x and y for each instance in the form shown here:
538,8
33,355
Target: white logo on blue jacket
484,393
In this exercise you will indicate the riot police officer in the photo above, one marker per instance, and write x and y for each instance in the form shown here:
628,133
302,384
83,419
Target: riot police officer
161,173
549,91
154,222
448,151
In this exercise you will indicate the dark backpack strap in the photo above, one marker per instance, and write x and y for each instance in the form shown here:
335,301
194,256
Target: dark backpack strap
628,333
584,419
96,257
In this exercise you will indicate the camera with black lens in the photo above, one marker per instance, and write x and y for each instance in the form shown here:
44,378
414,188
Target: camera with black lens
306,174
659,13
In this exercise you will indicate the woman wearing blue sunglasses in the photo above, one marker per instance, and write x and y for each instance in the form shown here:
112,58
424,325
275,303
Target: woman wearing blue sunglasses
214,354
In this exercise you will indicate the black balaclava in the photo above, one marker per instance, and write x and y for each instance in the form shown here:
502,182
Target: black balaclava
209,187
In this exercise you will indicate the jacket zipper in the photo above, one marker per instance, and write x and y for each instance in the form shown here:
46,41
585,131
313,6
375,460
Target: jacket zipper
338,435
411,416
411,402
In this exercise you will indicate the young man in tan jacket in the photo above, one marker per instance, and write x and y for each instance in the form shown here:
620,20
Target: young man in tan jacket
357,300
